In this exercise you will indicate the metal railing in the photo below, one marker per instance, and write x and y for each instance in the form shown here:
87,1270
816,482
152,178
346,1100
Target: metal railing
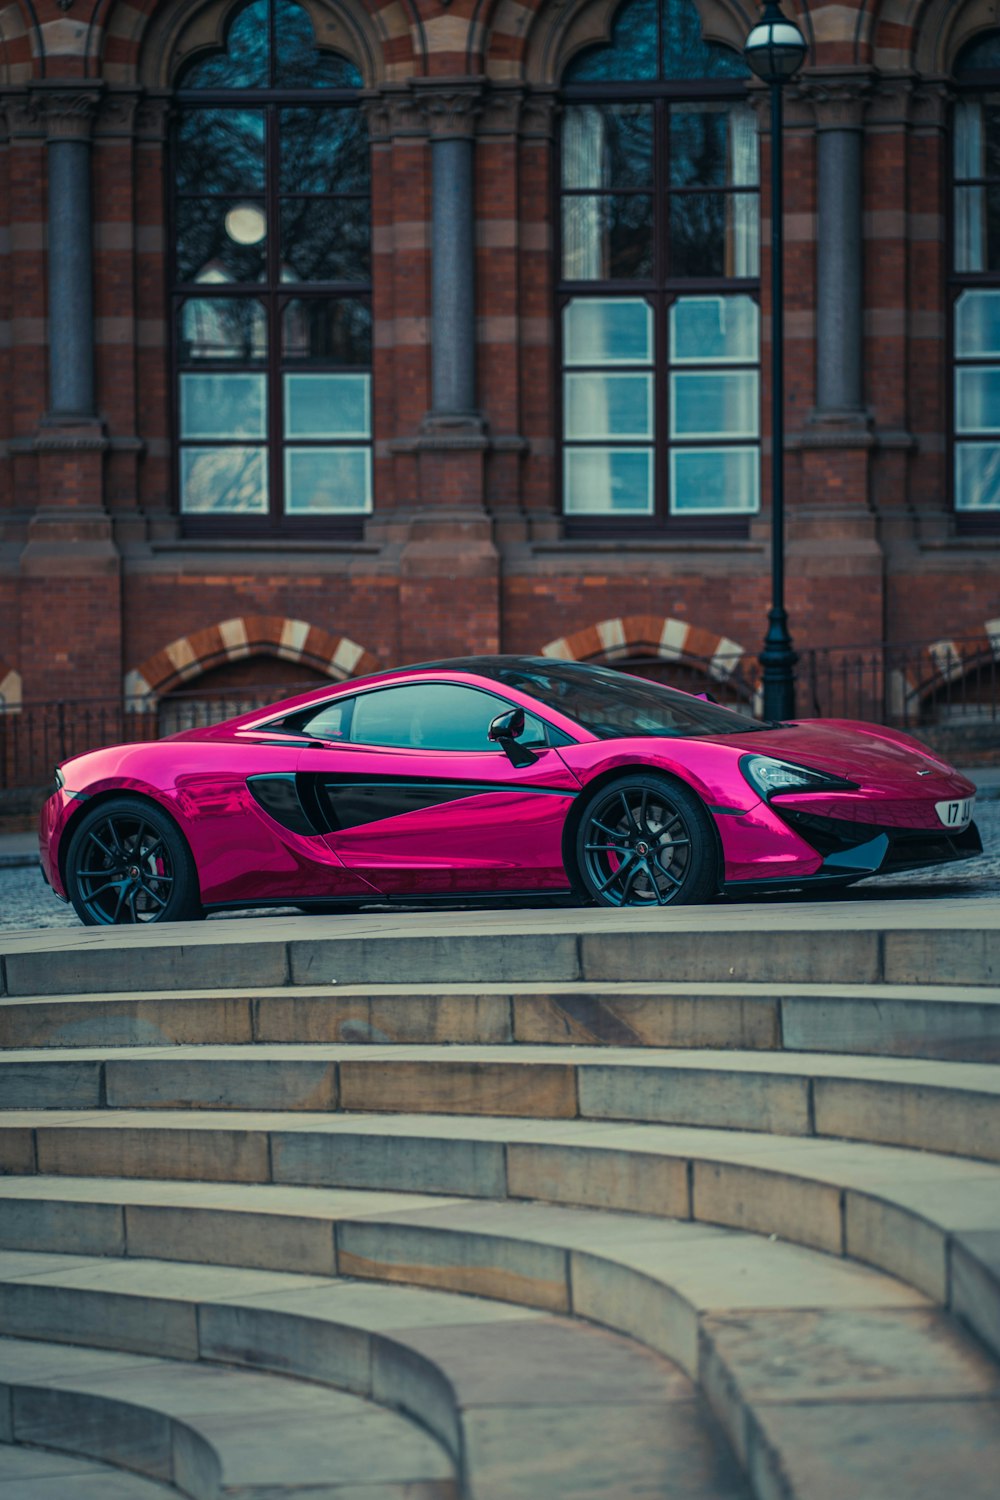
947,691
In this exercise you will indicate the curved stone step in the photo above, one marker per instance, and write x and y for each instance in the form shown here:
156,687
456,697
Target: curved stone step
932,1220
946,1022
916,942
212,1432
772,1331
510,1393
908,1102
43,1474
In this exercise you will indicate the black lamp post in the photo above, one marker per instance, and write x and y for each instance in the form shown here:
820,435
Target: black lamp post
775,50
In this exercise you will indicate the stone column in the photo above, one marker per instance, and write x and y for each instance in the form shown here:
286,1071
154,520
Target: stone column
451,118
839,110
70,259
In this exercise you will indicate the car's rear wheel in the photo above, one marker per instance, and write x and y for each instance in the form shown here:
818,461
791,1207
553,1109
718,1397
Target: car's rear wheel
644,840
128,863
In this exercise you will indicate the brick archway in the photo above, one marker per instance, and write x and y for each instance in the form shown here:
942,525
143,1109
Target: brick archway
941,663
659,637
10,688
232,640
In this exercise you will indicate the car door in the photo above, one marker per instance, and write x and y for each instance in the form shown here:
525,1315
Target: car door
420,802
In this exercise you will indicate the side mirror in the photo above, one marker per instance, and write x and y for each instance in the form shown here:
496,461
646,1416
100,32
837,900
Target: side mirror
505,731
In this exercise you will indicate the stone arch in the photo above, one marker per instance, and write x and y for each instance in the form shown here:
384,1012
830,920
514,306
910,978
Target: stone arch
536,40
926,35
939,665
144,41
11,689
22,51
658,637
232,640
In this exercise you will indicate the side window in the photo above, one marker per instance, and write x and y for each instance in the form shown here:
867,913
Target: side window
433,716
333,722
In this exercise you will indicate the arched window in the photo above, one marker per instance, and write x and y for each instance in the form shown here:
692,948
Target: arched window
976,280
658,278
271,280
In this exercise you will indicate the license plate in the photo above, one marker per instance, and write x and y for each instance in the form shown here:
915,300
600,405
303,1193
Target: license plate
956,815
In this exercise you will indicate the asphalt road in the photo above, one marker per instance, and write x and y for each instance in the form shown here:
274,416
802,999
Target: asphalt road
26,901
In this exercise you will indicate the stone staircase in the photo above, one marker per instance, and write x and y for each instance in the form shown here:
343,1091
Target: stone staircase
532,1206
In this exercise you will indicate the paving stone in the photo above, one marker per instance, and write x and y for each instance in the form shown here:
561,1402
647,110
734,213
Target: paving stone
646,1452
47,1085
928,1119
47,1224
769,1202
222,1156
154,964
964,1029
116,1432
211,1083
677,1096
426,958
40,1474
228,1237
425,1164
446,1087
80,1315
659,1020
975,1283
922,1450
627,1180
962,956
136,1021
483,1264
801,957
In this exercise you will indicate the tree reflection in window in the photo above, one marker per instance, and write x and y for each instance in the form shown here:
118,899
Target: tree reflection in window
272,267
976,280
659,229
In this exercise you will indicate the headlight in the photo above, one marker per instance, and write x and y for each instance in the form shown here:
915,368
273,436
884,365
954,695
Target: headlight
768,776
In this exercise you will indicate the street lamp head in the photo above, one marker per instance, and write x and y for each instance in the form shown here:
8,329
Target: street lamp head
775,48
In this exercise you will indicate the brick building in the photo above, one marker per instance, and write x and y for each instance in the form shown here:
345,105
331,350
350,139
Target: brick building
340,333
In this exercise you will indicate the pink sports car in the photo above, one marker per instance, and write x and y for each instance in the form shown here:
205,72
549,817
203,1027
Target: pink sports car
492,777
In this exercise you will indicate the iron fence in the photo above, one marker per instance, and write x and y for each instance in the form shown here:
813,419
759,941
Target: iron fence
946,691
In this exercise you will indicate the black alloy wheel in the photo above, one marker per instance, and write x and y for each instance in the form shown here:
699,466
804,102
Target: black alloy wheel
646,841
128,864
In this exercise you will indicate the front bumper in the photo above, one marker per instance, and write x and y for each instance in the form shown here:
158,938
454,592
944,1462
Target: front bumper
851,850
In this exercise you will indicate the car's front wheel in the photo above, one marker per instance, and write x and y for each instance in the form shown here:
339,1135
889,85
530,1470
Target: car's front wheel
129,863
644,840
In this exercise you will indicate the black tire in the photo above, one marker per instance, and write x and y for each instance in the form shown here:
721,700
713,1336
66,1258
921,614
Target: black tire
128,863
644,840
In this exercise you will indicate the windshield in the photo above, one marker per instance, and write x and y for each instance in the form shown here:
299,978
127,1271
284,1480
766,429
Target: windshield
613,706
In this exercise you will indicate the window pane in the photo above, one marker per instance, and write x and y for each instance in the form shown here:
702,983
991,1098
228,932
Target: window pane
220,151
325,481
244,63
427,716
232,328
223,406
977,399
977,324
631,53
299,64
714,405
608,406
714,330
714,234
977,229
685,52
207,247
326,330
607,238
608,331
326,406
977,476
224,480
713,145
324,151
607,145
608,480
324,239
710,481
